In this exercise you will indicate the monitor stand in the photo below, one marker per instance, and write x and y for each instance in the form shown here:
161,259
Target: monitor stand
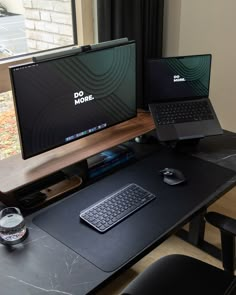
47,171
51,187
187,145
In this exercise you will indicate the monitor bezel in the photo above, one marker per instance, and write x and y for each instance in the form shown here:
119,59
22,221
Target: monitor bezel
91,49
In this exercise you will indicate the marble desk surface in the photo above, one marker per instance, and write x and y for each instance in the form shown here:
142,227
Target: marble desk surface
43,265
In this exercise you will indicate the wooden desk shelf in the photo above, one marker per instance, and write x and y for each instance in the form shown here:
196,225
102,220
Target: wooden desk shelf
16,173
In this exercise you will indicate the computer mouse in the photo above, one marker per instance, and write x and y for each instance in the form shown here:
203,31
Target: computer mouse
172,176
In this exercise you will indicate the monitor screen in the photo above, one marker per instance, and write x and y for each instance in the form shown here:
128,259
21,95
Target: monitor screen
61,100
182,77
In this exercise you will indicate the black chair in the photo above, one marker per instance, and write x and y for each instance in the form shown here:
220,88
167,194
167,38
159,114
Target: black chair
181,274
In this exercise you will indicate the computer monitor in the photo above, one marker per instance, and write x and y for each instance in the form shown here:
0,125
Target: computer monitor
60,100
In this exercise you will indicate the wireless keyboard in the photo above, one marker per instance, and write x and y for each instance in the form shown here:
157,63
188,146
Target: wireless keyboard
107,212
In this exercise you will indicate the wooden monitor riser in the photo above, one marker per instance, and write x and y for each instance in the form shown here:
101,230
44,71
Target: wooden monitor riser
16,173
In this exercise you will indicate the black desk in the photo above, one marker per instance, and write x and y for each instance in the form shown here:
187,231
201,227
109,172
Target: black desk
42,263
220,150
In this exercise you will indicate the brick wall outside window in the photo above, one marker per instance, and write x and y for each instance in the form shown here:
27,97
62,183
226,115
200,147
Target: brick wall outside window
48,24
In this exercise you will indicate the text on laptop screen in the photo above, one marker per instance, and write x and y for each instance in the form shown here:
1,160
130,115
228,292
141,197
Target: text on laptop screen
185,77
64,99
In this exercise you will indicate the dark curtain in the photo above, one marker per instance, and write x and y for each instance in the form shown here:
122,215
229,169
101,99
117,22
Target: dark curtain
139,20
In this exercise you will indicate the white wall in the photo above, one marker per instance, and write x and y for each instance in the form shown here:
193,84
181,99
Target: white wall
207,26
171,27
13,6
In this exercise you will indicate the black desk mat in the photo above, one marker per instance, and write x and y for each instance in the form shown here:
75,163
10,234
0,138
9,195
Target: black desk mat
150,225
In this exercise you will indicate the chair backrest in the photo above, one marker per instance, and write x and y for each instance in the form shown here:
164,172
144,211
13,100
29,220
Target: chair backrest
232,288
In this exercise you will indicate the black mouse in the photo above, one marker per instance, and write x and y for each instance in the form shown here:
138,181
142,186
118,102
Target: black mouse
172,176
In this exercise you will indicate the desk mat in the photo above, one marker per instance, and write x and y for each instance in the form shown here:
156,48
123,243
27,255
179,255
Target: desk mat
147,227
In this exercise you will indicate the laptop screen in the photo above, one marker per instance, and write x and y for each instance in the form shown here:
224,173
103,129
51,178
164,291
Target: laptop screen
178,78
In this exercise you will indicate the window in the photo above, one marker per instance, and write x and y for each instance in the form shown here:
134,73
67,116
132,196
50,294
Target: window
26,27
30,26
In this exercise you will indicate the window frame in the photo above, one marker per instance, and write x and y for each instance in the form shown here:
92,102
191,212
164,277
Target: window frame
82,11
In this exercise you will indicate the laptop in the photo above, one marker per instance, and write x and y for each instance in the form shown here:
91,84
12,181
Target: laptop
177,92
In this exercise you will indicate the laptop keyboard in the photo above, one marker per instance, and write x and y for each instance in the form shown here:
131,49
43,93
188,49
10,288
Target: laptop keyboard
180,112
117,206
